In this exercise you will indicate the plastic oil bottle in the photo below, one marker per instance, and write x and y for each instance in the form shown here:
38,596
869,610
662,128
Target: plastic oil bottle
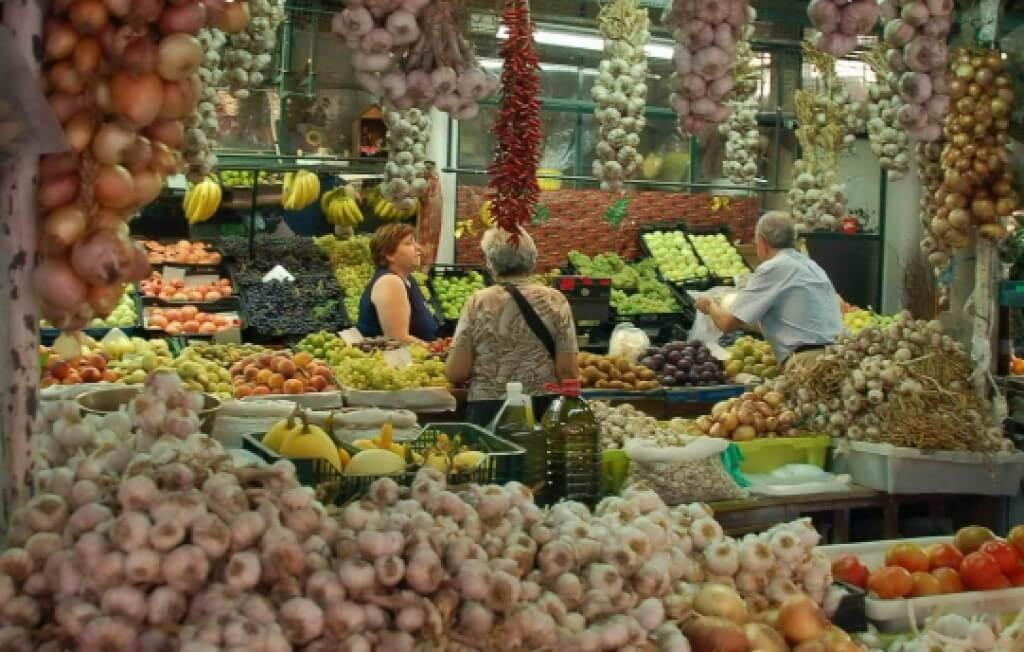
515,422
573,446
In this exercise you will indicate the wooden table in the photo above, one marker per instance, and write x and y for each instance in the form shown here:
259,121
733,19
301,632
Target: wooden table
760,513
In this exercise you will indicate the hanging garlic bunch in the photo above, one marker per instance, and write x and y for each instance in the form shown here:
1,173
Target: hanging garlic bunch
408,136
202,126
816,198
939,238
889,141
742,136
707,33
248,53
620,92
854,115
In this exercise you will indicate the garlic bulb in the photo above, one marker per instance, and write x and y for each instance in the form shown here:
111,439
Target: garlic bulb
840,22
249,52
202,126
889,141
935,245
623,422
407,137
707,33
742,135
816,199
620,92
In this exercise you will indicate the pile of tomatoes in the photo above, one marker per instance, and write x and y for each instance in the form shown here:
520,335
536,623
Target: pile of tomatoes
976,561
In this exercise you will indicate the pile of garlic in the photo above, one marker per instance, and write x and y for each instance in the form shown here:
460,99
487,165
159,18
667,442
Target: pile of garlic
202,126
248,53
407,138
955,633
620,92
623,422
816,198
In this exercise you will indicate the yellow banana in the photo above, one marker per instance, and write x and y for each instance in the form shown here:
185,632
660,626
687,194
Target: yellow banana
201,201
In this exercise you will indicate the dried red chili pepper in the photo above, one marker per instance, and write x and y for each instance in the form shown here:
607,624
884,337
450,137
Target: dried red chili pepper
513,183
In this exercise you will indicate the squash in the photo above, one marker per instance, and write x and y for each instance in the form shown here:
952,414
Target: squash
375,461
312,442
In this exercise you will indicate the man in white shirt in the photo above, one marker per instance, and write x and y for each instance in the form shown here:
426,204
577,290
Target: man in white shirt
789,297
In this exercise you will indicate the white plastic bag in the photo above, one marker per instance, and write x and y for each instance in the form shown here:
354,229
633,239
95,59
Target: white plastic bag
628,341
704,329
682,474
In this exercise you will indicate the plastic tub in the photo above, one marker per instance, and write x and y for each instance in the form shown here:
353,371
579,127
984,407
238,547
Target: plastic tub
898,470
894,616
105,401
766,455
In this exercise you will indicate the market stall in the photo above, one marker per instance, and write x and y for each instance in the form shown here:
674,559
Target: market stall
206,447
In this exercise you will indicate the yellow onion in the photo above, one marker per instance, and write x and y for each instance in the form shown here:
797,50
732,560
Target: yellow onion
801,619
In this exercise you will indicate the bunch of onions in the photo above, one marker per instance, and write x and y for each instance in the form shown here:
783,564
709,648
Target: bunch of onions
977,186
412,53
120,77
250,49
742,136
840,22
202,126
620,92
707,33
889,141
405,173
915,37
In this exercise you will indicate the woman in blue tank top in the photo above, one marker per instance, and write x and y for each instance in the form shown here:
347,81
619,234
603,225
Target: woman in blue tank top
392,303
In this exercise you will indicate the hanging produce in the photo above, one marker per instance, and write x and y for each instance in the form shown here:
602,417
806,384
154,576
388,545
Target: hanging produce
414,54
250,48
840,22
706,35
620,92
300,189
407,138
936,249
741,132
201,201
513,182
123,140
816,198
915,35
889,140
906,385
202,126
977,186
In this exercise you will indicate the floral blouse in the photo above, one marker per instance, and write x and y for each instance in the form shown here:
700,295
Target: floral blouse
504,348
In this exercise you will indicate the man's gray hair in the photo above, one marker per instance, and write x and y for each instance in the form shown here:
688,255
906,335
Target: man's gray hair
777,229
505,259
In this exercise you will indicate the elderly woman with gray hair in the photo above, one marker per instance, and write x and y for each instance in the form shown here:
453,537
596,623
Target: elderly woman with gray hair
513,331
789,297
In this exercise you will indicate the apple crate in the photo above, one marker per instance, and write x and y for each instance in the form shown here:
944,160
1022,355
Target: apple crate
442,270
719,230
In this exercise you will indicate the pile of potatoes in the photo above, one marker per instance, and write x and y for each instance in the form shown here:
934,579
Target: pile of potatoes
607,372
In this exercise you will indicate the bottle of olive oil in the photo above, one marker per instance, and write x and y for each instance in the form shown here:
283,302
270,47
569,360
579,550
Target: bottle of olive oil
515,422
573,446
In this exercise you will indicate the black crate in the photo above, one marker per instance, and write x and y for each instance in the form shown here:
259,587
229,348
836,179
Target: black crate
715,230
697,282
216,268
319,474
588,297
48,335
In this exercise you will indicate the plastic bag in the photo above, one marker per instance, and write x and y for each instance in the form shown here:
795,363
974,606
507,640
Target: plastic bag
682,474
28,126
628,341
704,329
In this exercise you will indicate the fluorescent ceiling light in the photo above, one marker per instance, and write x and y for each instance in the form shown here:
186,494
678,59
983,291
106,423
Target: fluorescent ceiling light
492,64
585,42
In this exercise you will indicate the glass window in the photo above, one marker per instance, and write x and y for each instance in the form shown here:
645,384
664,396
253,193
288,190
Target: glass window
476,142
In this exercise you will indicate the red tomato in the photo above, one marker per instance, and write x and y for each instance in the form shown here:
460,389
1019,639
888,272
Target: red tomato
979,571
850,569
1016,576
1004,554
925,584
891,582
944,555
909,556
949,580
849,225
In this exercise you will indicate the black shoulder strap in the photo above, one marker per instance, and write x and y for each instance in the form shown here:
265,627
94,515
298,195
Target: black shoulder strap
533,320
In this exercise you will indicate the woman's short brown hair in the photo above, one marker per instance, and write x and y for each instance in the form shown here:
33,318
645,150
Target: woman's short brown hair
386,239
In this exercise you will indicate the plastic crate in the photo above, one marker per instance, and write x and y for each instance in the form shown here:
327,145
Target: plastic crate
48,335
438,269
505,460
766,455
317,473
702,282
898,470
703,394
723,230
589,298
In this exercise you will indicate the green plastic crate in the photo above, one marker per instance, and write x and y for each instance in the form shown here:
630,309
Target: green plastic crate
766,455
505,460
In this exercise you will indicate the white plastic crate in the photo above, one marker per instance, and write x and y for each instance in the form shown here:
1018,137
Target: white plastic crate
897,470
894,616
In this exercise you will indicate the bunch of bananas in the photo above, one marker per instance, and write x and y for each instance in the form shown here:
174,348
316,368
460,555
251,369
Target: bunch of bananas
389,211
201,201
300,190
341,206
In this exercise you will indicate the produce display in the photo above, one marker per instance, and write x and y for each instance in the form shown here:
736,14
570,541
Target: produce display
604,372
91,368
621,423
890,142
280,373
620,92
201,374
182,252
706,35
719,255
840,23
623,275
648,294
741,131
122,316
908,385
675,257
202,128
307,304
404,175
132,358
652,297
155,287
296,438
683,364
353,268
956,632
414,55
340,206
188,319
249,50
759,413
201,200
748,355
388,211
356,369
931,174
452,291
859,319
300,190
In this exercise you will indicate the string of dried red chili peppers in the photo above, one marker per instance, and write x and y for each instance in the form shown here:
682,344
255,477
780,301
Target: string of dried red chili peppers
517,130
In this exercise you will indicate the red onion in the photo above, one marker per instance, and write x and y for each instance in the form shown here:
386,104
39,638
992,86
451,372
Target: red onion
58,285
